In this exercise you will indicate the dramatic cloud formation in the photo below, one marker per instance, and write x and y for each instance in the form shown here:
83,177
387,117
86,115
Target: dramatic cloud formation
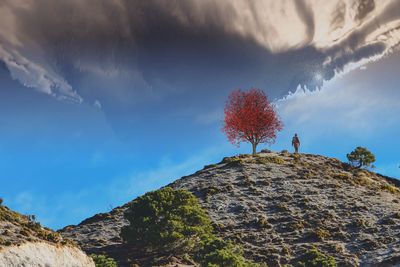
157,47
152,76
359,108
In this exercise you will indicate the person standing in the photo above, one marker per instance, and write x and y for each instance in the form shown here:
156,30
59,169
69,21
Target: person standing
296,143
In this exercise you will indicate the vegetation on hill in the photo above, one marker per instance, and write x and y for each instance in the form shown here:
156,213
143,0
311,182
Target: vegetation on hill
276,206
167,219
103,261
173,220
315,258
361,157
215,252
20,228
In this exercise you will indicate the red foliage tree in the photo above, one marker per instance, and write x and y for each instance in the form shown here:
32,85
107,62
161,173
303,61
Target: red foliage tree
249,116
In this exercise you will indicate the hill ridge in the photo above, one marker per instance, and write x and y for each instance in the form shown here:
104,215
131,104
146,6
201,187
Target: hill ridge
278,205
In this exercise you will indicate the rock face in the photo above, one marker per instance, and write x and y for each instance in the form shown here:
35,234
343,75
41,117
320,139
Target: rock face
23,242
278,206
44,255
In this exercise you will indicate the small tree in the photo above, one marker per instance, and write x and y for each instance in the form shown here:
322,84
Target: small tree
249,116
361,157
167,220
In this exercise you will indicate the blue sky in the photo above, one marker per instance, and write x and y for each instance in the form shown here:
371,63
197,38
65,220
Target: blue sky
96,111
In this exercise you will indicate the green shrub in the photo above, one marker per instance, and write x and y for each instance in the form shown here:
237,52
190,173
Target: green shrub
173,220
103,261
315,258
166,219
215,252
361,157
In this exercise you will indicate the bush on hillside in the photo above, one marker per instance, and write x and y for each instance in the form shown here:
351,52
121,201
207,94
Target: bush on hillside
217,252
315,258
173,220
361,157
166,219
103,261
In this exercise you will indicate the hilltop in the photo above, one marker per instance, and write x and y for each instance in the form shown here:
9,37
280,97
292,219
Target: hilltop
278,206
24,242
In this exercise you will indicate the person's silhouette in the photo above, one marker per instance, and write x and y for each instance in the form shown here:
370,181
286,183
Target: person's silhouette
296,143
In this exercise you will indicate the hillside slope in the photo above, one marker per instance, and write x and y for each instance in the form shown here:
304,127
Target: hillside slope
23,242
277,206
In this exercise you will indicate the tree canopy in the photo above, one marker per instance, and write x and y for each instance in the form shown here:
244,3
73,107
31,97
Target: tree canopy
361,157
250,117
166,219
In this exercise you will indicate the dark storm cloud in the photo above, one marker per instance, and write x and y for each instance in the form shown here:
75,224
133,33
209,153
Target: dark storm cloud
306,15
154,48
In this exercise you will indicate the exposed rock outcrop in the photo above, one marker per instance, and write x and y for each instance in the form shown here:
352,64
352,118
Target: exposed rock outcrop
277,206
24,242
43,254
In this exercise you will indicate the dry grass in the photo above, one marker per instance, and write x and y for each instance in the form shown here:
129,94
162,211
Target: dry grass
24,228
282,207
363,180
390,188
262,222
321,234
267,160
342,176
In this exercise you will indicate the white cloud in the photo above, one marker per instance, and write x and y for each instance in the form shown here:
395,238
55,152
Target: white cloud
354,103
34,75
350,107
97,104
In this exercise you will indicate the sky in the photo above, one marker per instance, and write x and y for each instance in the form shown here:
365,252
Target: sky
103,100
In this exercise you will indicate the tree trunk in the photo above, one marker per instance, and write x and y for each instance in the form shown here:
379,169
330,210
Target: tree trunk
360,164
254,148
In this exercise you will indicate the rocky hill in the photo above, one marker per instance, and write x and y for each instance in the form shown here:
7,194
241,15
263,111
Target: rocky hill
277,206
24,242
